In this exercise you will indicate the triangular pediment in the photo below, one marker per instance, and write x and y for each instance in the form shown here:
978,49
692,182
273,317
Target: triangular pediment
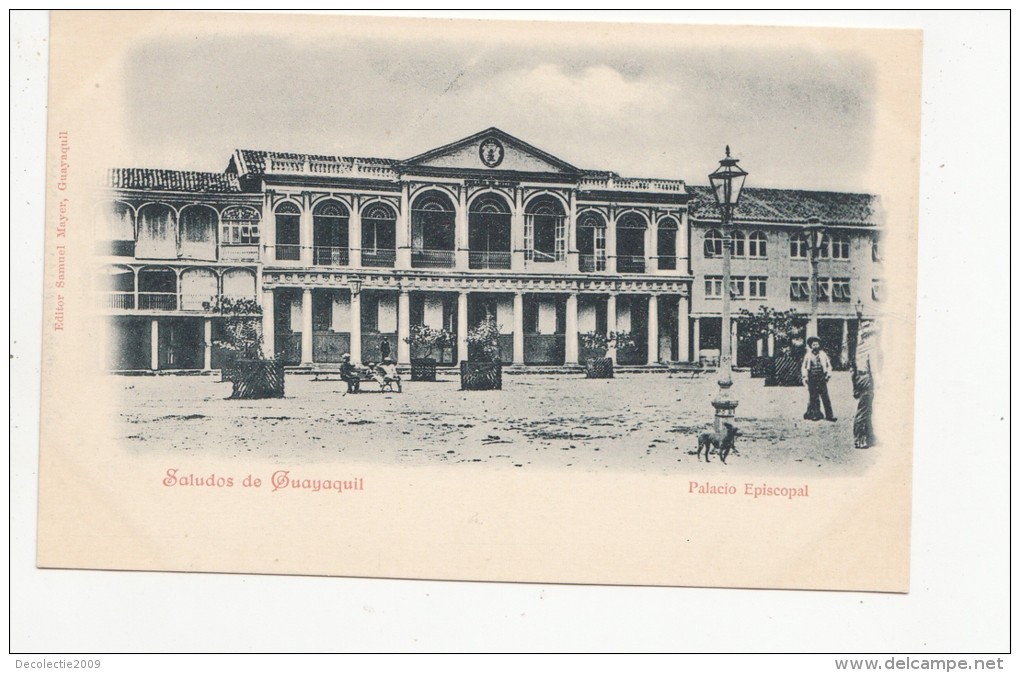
491,150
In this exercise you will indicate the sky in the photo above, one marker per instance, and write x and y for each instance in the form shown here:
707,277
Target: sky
796,117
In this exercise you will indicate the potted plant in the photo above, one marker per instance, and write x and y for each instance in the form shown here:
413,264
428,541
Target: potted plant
423,341
595,352
785,328
253,375
482,370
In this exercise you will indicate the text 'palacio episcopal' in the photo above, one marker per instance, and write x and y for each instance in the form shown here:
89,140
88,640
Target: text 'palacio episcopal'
342,254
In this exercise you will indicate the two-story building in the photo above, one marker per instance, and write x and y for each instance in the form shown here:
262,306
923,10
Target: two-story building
343,254
771,266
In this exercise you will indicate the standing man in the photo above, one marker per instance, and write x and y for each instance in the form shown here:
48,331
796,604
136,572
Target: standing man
384,350
815,372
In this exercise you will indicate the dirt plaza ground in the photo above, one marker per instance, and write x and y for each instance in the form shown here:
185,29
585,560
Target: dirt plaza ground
636,422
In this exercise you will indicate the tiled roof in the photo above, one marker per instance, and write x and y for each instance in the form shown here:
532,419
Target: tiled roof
789,205
254,161
172,181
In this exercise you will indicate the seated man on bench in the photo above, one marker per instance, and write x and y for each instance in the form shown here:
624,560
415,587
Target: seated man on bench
386,375
349,374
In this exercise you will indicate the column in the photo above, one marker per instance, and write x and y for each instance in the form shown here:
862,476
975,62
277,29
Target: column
611,323
207,344
307,239
154,344
682,234
611,244
518,328
683,345
356,328
772,345
759,347
696,342
461,237
404,229
268,324
517,233
572,254
354,233
267,229
570,346
653,329
652,248
306,327
734,342
462,326
844,345
403,327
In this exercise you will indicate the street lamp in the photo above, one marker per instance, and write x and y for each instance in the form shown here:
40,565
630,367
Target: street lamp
814,232
727,182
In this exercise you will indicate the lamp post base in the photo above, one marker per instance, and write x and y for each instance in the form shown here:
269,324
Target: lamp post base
725,406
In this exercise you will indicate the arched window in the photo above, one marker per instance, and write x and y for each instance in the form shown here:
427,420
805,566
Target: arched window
800,246
240,226
157,232
115,230
757,245
545,231
630,243
115,287
666,243
714,241
378,236
198,233
199,290
739,243
591,241
288,231
157,289
330,233
840,246
489,233
239,284
433,231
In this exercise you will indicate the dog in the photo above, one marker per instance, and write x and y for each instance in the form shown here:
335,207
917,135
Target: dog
723,441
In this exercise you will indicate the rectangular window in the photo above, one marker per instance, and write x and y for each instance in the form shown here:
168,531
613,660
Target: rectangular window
713,286
800,288
841,290
738,287
877,289
756,287
824,290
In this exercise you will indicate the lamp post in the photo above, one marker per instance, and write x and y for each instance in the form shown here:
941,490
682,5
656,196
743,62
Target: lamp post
814,232
727,182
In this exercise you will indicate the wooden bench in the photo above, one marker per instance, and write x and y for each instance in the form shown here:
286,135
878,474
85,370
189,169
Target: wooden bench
365,375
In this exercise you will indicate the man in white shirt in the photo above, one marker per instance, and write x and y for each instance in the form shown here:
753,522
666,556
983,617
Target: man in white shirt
815,372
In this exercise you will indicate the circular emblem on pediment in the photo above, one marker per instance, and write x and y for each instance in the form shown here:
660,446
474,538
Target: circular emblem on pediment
491,152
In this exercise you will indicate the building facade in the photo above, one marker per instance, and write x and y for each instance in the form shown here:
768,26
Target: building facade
344,254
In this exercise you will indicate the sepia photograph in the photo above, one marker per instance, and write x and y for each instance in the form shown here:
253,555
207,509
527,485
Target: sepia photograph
480,300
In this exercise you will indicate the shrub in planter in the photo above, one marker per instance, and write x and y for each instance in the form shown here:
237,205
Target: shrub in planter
424,339
484,370
254,376
595,348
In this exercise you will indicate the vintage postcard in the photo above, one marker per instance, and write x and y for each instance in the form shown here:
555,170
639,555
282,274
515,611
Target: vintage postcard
480,300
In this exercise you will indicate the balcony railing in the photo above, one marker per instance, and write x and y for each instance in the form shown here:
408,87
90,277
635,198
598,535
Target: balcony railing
379,257
478,259
198,302
591,263
287,252
667,263
115,300
630,264
157,301
433,259
633,184
239,253
331,256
